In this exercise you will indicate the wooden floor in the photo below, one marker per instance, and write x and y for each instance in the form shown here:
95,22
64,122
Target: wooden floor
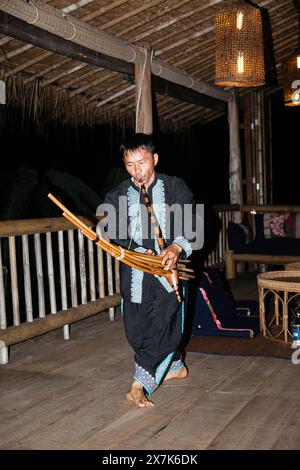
57,394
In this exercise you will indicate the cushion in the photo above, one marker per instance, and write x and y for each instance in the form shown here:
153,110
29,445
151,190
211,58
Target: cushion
239,235
273,246
215,311
279,225
259,226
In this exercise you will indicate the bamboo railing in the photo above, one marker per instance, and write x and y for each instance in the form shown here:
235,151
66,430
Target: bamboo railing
51,276
49,269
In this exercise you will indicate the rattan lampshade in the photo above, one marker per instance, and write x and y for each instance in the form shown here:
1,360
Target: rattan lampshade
291,80
239,46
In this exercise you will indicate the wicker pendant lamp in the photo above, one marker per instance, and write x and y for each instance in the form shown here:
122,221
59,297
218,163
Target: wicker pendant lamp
239,50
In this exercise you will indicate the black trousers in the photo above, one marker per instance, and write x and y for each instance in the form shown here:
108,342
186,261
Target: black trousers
153,329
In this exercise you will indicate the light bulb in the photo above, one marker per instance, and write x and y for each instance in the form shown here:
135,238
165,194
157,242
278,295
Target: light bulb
240,63
298,61
239,20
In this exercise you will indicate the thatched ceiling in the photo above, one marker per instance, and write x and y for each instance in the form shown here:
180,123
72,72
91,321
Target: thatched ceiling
181,32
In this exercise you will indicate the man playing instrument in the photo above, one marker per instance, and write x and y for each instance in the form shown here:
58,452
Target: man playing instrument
153,317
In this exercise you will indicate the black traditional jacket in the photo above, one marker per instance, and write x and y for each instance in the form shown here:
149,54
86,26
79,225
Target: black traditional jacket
164,192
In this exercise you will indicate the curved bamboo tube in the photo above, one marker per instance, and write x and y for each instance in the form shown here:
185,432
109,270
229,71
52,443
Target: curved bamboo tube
150,264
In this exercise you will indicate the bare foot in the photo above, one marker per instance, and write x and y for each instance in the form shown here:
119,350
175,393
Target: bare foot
177,374
137,395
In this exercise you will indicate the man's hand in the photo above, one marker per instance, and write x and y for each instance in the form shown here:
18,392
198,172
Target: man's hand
170,256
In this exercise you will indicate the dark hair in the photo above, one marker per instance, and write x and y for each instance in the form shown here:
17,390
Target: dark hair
138,141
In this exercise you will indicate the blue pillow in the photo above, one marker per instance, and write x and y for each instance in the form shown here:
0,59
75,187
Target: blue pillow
238,235
259,227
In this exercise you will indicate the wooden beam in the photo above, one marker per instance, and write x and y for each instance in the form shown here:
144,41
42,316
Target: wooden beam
185,94
19,29
25,32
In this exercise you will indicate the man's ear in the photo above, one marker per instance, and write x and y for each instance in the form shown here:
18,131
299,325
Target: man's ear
156,157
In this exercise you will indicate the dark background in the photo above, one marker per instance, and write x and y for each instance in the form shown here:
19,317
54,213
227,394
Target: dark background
37,159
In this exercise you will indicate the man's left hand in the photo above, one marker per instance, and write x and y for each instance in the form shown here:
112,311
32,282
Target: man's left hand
170,256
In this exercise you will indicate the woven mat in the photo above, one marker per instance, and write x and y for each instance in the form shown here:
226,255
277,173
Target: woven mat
257,346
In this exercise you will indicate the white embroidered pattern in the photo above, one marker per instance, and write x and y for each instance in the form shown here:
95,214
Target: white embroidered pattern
176,365
185,245
145,378
137,276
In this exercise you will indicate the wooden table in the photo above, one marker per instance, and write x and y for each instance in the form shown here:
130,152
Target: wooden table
285,287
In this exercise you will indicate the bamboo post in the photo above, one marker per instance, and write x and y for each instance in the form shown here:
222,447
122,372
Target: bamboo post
63,283
110,283
91,270
82,270
235,173
117,275
248,148
143,93
27,279
101,285
230,265
39,274
3,322
14,280
74,299
51,273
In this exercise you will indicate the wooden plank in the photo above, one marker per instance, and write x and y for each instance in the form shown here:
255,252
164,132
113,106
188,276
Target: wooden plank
288,437
101,279
91,270
10,228
3,322
82,268
27,279
14,280
54,396
257,426
72,265
50,269
16,334
39,274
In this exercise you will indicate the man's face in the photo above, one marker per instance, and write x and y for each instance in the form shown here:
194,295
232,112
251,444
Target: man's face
140,164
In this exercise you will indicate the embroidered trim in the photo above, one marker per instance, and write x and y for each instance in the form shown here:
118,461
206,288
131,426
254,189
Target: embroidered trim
176,365
137,276
140,249
163,280
145,378
163,366
185,245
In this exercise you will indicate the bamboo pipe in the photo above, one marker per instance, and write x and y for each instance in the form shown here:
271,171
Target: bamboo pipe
147,263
